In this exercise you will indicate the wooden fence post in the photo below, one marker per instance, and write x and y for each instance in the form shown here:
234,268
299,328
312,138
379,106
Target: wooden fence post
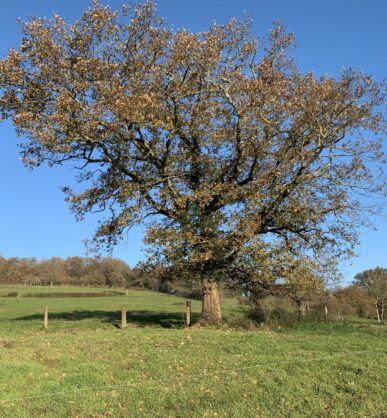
123,316
187,313
45,320
126,292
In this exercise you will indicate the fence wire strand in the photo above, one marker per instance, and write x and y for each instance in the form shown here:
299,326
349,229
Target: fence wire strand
206,374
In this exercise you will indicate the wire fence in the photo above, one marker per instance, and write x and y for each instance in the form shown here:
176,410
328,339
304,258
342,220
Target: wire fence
207,374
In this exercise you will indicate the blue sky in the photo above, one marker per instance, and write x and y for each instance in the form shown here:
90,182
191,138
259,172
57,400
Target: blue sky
330,34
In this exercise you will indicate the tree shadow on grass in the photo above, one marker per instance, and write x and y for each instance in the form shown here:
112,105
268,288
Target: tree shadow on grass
138,318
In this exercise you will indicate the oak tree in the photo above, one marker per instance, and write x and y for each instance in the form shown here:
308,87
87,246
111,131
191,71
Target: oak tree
216,135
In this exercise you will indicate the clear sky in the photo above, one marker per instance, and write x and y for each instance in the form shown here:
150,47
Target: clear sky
330,34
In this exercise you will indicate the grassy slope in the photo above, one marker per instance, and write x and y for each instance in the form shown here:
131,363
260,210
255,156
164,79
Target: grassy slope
87,367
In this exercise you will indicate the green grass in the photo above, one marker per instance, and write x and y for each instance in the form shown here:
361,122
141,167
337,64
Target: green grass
85,366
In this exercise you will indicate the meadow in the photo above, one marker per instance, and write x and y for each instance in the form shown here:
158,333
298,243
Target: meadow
84,365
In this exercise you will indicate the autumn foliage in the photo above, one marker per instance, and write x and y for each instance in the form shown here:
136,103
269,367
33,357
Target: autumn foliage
216,136
78,271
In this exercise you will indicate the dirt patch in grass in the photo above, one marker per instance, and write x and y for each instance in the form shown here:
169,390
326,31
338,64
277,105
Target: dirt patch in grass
6,344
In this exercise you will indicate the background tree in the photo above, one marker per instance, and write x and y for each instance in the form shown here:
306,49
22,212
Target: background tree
53,271
303,282
351,300
271,271
20,271
216,134
3,268
75,268
114,271
375,282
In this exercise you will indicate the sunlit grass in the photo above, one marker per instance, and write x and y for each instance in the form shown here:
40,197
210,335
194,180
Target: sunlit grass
84,365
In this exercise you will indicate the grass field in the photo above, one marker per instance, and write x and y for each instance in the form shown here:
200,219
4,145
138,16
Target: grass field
84,365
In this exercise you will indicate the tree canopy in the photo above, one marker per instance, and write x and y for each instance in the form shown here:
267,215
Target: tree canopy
374,281
217,135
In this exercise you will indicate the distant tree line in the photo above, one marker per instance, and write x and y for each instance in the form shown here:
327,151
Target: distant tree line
86,271
274,296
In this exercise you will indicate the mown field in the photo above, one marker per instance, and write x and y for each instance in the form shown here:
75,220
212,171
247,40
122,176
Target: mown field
84,365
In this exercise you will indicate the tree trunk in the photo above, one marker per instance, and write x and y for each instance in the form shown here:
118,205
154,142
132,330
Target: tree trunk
301,308
378,314
211,313
341,315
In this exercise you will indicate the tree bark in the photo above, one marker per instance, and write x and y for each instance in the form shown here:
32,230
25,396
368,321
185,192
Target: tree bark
341,315
301,305
378,314
211,313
